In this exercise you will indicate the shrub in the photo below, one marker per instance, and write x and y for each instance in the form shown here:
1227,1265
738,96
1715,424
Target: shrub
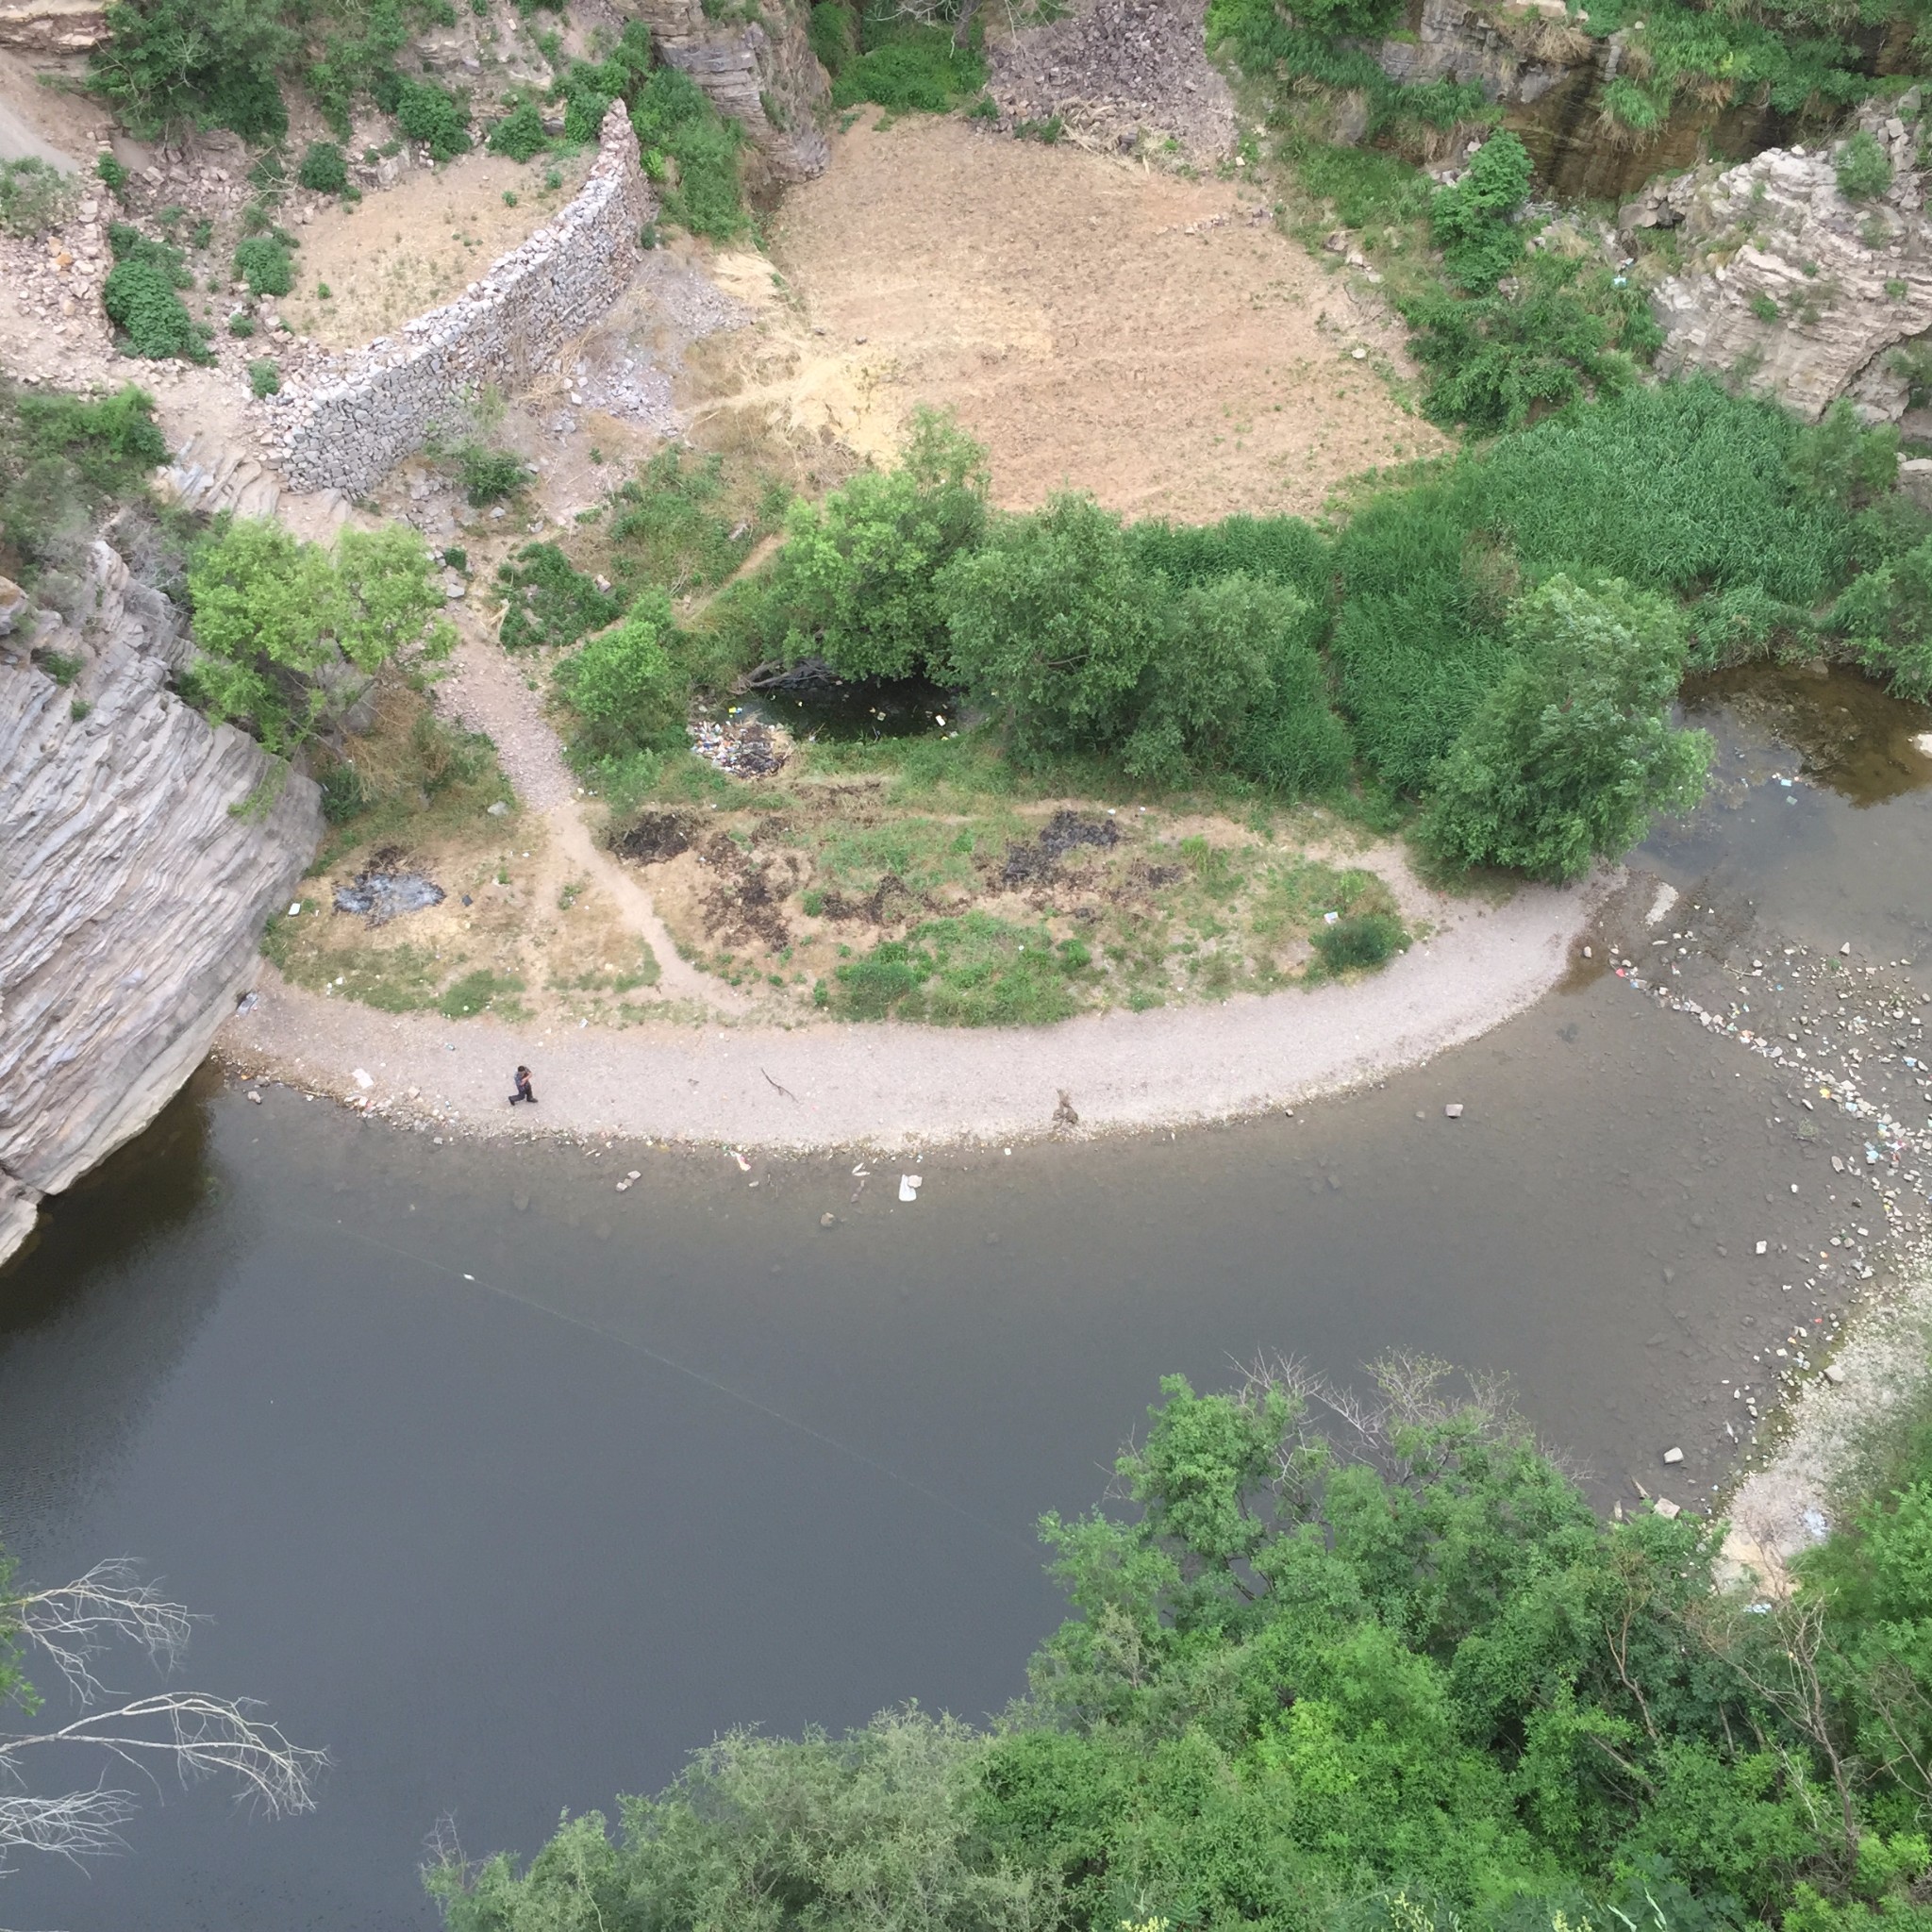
264,378
834,34
140,301
325,168
1886,618
265,265
1863,167
111,172
1472,220
1494,360
909,68
169,64
623,686
1358,939
490,475
431,114
857,582
548,601
1570,751
33,198
520,133
113,443
674,117
277,623
242,326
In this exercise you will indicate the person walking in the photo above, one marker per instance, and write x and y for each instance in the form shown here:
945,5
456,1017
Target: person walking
523,1091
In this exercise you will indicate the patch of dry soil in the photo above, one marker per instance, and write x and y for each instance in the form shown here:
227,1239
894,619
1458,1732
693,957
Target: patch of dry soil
419,244
1098,323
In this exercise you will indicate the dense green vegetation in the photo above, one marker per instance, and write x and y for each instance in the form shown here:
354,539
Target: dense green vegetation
288,635
142,300
33,197
875,53
1496,639
1407,1680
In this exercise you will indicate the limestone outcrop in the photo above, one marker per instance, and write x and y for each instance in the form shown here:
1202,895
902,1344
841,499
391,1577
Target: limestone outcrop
141,850
1801,293
53,27
759,69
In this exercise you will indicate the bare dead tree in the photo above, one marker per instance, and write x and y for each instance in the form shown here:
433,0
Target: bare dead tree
193,1734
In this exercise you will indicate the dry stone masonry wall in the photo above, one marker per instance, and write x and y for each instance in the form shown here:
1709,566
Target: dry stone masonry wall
346,428
1805,294
141,850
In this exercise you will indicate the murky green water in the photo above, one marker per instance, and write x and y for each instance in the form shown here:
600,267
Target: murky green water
510,1491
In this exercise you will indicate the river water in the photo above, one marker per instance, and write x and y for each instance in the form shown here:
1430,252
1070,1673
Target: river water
509,1498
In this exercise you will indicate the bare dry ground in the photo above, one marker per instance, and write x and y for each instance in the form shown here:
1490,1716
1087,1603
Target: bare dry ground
1099,324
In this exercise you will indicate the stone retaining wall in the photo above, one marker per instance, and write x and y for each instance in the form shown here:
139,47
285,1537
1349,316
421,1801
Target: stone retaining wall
346,431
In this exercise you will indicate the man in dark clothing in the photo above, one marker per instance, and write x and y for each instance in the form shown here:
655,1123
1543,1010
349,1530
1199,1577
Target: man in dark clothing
523,1091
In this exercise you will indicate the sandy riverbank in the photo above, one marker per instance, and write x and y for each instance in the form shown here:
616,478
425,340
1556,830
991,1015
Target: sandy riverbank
894,1084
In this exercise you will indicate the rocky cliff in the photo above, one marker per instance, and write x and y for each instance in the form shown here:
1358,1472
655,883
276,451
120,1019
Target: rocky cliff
758,66
141,851
1804,293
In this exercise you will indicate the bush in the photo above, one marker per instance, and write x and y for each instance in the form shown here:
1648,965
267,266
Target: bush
140,301
325,168
674,117
1886,619
431,114
907,68
1863,167
111,173
520,133
264,378
858,580
1359,941
33,198
1474,221
834,34
169,64
287,634
548,601
623,687
265,265
242,326
1572,752
1494,360
490,475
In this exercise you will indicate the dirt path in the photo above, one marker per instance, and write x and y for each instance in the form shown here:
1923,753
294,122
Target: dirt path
908,1086
1099,324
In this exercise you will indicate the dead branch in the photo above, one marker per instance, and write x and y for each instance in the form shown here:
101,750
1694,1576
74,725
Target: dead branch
75,1624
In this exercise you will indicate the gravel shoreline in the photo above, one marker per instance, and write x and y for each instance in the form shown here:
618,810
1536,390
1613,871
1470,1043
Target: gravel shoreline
894,1084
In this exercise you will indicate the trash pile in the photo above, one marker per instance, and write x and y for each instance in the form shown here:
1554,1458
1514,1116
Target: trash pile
739,747
381,889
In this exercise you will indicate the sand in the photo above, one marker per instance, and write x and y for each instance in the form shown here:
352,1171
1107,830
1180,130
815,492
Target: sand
903,1086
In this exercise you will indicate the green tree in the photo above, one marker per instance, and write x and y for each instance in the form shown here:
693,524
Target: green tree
169,64
858,584
1885,617
289,634
1053,624
623,686
1572,752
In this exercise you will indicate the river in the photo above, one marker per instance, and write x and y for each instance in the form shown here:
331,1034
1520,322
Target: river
510,1503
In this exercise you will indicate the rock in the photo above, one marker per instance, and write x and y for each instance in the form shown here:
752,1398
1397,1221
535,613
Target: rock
1915,480
53,27
497,809
133,889
828,1220
1666,1508
16,606
1789,280
1673,1456
1453,1111
1834,1374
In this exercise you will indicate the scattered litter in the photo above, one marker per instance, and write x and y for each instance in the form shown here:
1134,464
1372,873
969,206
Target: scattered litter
828,1219
1764,1247
744,748
743,1165
861,1171
362,1079
381,889
1454,1111
294,909
909,1186
248,1001
255,1096
497,810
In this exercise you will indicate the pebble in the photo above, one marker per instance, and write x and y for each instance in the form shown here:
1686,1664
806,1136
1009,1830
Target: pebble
1673,1456
828,1220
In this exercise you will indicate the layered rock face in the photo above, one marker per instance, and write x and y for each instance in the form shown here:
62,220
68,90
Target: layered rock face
760,71
53,27
141,850
1804,293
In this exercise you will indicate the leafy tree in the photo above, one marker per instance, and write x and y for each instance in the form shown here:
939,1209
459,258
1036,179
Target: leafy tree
1473,220
857,582
1571,754
1885,616
623,686
1052,625
325,169
168,64
288,634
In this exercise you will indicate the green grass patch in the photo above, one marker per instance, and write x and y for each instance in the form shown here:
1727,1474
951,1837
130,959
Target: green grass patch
973,971
909,67
550,602
482,992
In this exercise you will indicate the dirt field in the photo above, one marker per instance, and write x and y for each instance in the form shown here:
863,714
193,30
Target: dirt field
1098,323
420,244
